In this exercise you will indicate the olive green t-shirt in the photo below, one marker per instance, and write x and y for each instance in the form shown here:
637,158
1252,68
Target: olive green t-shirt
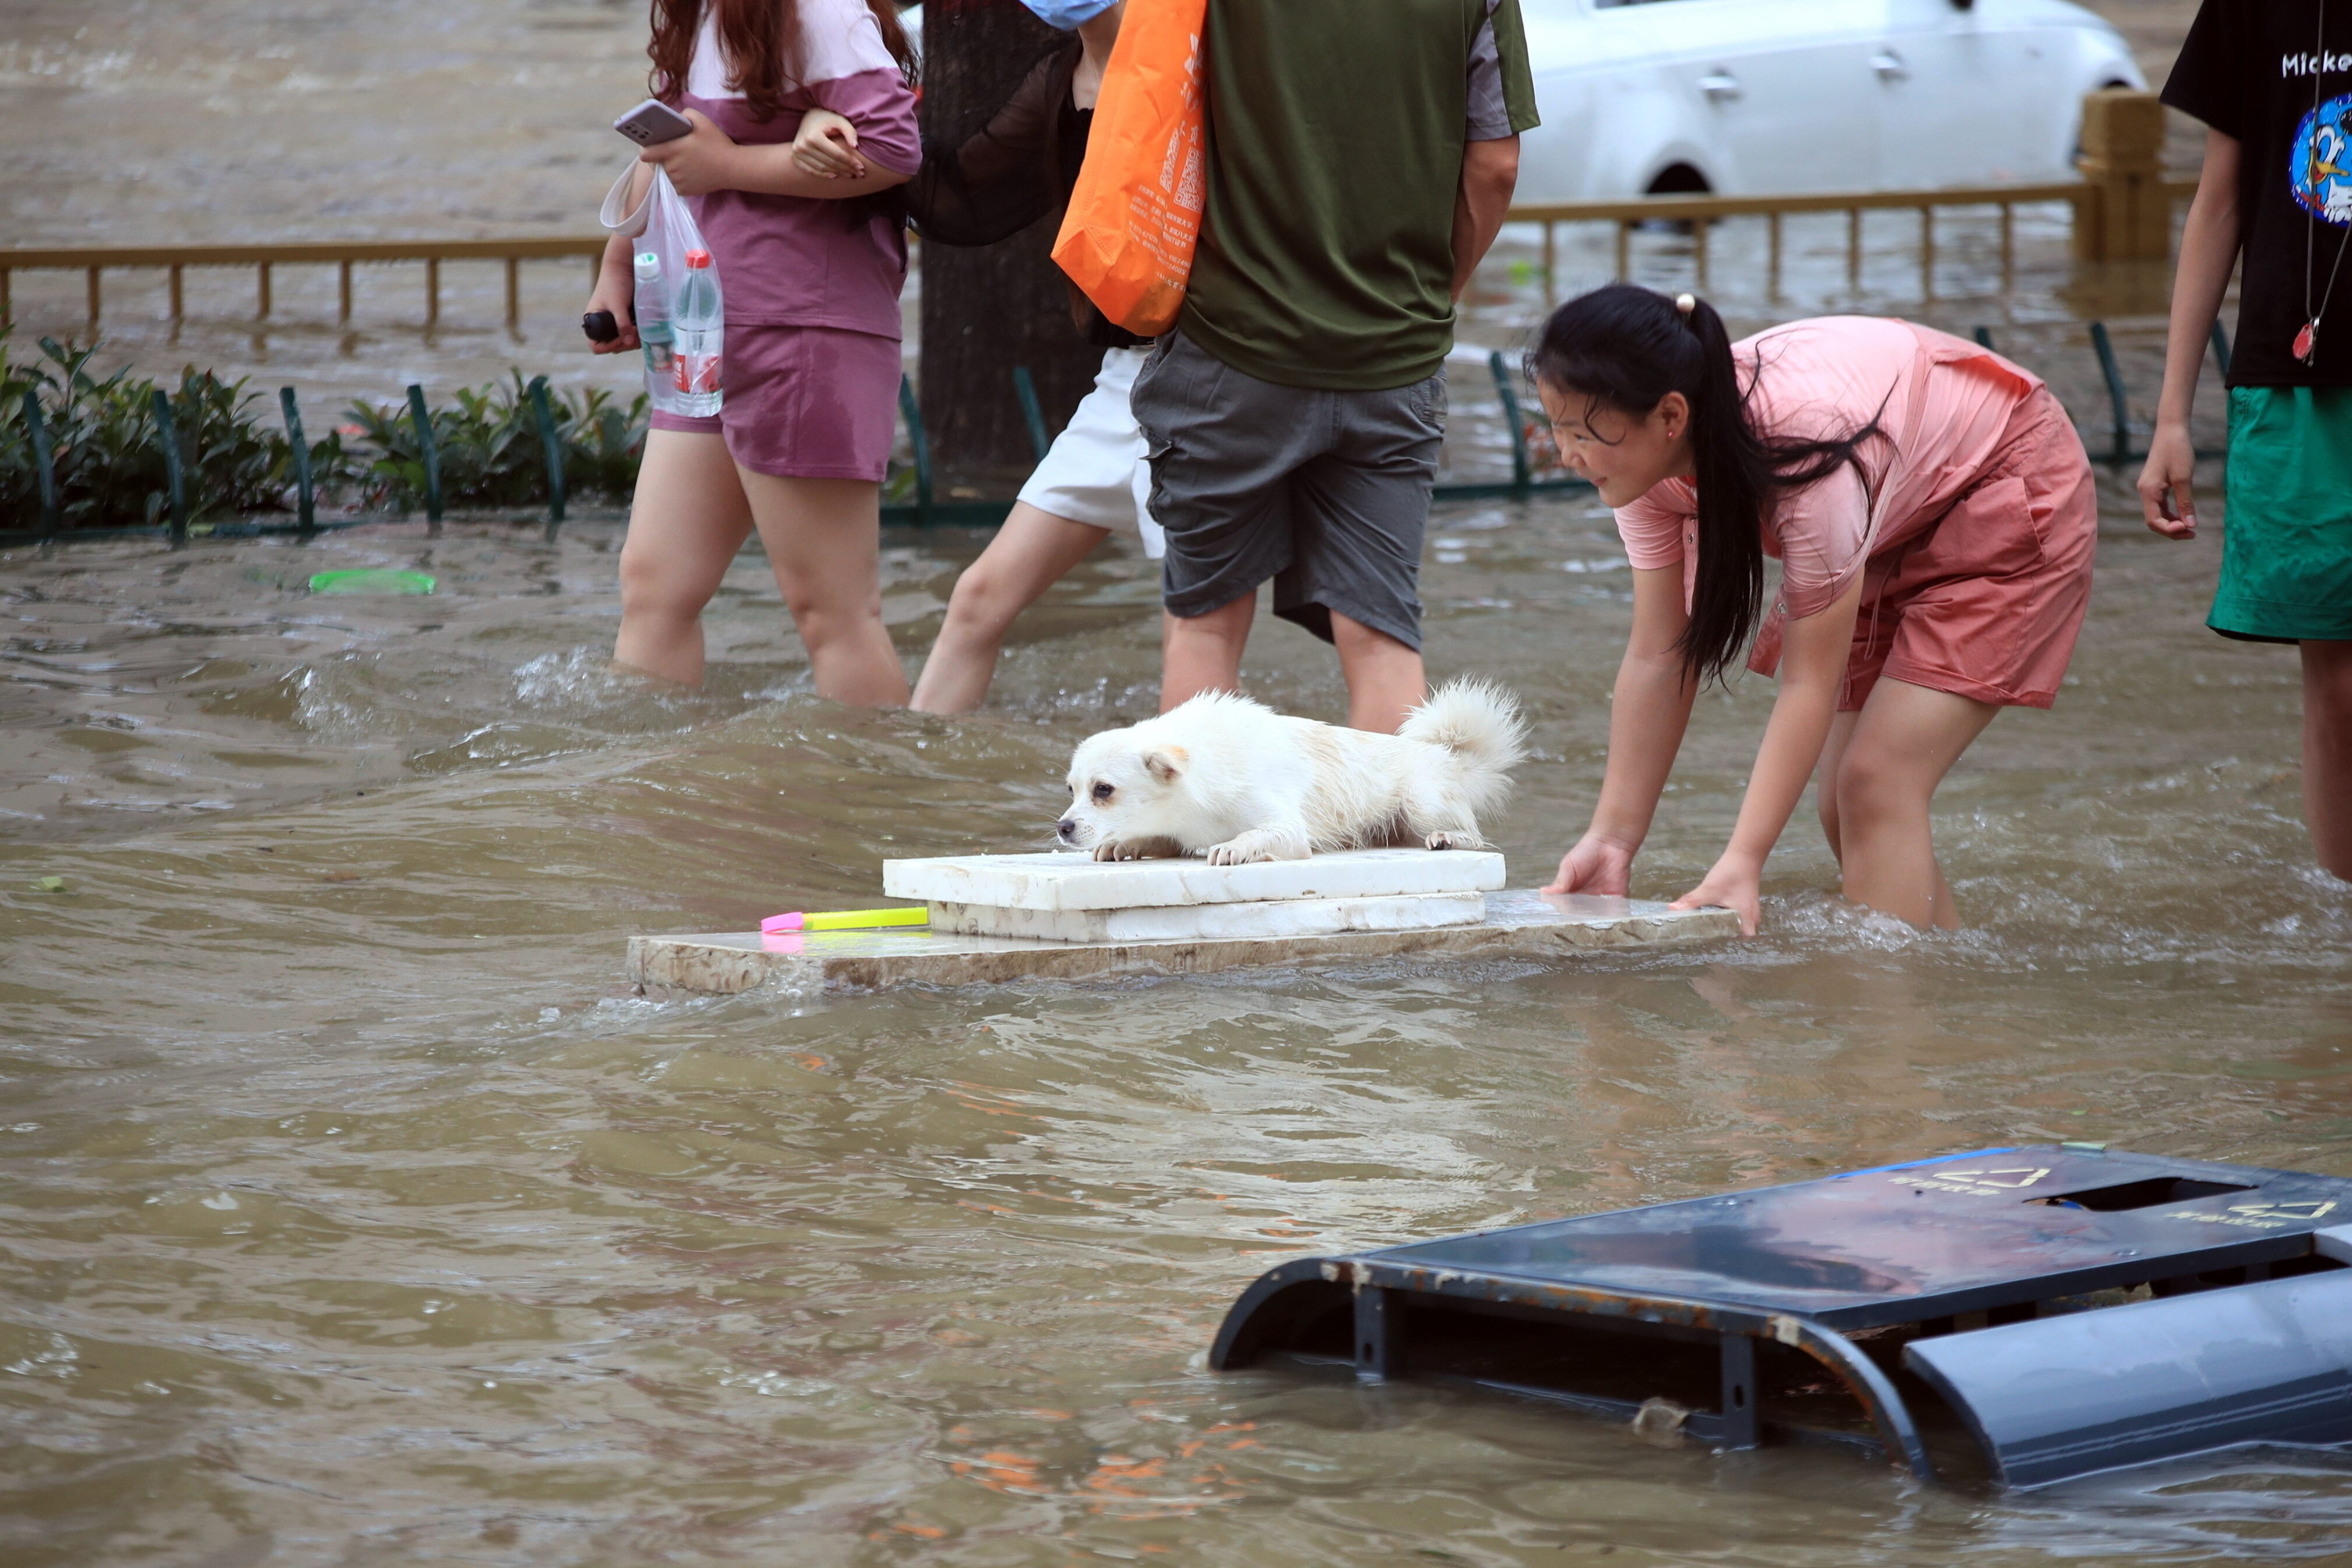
1335,136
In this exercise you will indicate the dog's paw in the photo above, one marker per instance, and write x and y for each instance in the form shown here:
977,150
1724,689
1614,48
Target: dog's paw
1139,849
1259,843
1458,838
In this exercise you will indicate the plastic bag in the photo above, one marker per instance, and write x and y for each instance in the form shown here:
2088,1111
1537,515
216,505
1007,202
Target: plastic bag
680,313
1135,217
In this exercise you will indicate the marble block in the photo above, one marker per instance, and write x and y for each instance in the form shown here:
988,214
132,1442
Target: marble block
1072,880
1519,925
1164,922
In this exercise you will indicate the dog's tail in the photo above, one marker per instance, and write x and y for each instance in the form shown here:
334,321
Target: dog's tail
1479,722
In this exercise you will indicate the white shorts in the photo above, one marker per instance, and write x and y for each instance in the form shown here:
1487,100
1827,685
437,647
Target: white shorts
1095,472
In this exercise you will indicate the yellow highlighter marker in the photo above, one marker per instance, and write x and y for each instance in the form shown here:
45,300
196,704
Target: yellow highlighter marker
843,920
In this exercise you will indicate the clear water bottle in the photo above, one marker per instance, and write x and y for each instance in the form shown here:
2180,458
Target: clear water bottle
652,321
700,323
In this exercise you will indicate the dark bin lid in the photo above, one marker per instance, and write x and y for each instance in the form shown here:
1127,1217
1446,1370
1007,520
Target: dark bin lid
1928,1239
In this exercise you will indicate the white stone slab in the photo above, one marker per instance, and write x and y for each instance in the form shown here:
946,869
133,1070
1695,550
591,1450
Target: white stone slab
1073,880
1169,923
1519,924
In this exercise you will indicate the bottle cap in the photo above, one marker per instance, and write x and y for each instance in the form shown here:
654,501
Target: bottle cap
648,266
697,259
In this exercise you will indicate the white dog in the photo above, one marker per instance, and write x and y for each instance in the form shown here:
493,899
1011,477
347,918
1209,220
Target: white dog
1231,779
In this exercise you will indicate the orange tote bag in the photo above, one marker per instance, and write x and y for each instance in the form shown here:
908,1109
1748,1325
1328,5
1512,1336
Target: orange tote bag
1135,215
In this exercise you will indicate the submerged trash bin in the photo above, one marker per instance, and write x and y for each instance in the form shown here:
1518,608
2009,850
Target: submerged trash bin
2027,1314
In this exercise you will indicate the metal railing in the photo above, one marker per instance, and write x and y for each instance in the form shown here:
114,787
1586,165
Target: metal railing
1704,212
926,509
180,527
921,508
96,261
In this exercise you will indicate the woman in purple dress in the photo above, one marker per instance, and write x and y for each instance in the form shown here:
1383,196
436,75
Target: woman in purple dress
811,269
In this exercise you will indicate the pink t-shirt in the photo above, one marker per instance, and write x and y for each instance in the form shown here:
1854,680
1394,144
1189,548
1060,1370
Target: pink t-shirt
796,260
1943,402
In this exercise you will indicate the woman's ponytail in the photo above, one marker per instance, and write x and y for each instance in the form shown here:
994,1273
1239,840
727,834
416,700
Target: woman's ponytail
1624,348
1734,477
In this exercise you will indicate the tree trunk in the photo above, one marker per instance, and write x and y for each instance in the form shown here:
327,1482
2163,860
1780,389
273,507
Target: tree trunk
986,309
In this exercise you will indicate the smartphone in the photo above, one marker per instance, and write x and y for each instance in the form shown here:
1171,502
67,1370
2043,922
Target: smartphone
652,122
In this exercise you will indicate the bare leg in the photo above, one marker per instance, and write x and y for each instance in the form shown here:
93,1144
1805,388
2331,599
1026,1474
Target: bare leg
2327,752
1906,740
823,538
1029,554
1825,774
1385,679
1203,653
685,523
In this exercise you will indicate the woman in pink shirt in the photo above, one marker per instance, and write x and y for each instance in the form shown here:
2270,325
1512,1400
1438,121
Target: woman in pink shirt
812,268
1935,518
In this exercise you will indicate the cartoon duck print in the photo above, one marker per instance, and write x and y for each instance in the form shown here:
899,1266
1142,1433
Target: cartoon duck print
2317,170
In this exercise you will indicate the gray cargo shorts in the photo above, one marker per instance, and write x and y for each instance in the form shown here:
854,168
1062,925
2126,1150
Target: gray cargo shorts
1325,492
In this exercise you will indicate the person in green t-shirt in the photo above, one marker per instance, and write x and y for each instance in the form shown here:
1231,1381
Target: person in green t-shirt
1360,162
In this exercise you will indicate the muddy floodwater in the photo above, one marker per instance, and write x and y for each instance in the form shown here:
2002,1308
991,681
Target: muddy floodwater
353,1212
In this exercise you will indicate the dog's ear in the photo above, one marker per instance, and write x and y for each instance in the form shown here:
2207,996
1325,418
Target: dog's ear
1165,762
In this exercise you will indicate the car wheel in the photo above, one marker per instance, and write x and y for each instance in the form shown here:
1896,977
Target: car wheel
1678,180
1675,180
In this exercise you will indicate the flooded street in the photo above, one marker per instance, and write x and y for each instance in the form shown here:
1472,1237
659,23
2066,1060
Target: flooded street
353,1213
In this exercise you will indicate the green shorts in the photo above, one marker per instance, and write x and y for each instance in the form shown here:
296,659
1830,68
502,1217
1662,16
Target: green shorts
2287,539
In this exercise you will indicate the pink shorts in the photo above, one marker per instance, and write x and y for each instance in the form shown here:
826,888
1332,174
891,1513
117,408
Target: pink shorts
1988,601
806,402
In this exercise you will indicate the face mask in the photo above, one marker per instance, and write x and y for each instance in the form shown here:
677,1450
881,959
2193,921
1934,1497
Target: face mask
1067,15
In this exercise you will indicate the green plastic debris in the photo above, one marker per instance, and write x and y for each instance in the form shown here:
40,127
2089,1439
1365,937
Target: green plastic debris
50,885
372,580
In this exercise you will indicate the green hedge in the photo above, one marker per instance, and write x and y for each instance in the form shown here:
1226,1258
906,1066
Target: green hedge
108,461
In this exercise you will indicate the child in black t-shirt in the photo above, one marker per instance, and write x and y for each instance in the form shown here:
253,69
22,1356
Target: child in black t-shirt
2271,80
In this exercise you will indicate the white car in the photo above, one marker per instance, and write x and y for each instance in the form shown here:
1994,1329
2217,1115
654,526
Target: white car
1780,97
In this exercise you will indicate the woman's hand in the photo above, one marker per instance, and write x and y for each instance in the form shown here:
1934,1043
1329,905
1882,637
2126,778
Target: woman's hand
1646,718
2167,496
701,162
707,160
1737,883
615,285
1597,865
826,146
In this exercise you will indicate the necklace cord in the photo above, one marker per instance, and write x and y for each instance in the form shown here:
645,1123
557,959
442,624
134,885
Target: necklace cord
2311,218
